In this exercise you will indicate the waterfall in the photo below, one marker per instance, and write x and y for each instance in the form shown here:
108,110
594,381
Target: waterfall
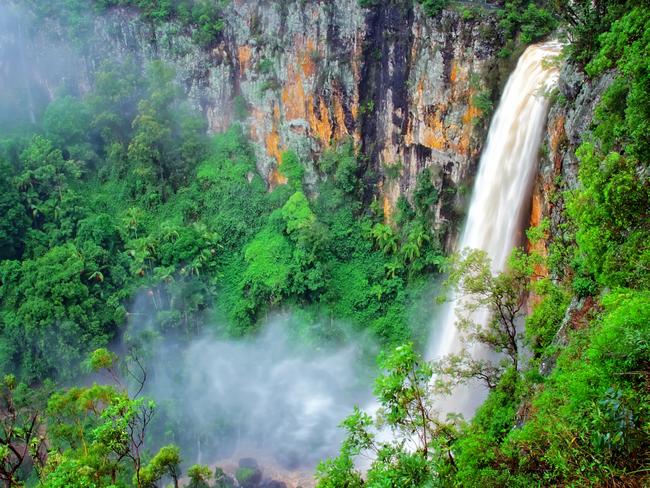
502,191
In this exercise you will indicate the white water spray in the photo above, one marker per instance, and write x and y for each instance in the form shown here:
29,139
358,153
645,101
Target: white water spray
502,190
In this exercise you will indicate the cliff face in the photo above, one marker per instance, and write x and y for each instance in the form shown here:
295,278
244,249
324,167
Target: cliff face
569,120
401,85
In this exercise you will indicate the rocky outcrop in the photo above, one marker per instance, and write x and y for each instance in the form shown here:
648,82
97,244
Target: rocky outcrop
569,122
305,75
434,121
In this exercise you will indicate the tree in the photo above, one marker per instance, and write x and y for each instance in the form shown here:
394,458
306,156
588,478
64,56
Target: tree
393,268
103,429
66,121
22,439
165,462
343,165
385,238
297,214
420,441
199,476
113,102
267,274
55,311
45,176
425,194
148,147
526,18
418,235
433,7
14,220
586,20
206,15
410,251
490,308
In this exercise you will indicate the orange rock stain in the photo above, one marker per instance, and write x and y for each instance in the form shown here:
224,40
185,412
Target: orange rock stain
307,58
293,96
320,123
388,210
339,115
244,54
539,247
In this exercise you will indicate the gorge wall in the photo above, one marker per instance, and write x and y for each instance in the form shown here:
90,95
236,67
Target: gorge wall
569,121
304,75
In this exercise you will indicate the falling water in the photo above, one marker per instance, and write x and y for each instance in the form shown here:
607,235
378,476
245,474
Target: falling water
502,189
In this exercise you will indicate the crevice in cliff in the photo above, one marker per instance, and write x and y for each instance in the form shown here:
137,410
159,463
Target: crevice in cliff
383,88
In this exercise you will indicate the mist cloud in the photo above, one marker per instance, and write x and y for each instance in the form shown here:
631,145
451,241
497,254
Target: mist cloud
270,396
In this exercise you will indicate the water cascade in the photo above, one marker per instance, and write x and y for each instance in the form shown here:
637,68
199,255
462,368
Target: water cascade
502,190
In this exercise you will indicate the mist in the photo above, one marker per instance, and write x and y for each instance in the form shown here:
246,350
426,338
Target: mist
33,70
275,396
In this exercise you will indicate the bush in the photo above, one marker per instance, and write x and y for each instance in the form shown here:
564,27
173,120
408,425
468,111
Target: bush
433,7
526,18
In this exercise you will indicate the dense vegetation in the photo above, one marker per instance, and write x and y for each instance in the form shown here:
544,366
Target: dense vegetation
100,203
117,201
116,205
202,17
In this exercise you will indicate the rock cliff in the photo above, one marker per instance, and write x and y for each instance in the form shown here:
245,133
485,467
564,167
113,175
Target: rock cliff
569,121
413,92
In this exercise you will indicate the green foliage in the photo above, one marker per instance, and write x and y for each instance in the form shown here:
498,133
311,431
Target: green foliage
586,20
609,211
53,310
393,171
292,168
405,408
340,471
433,7
222,480
203,18
268,266
121,190
483,101
545,320
593,399
95,436
66,121
477,458
624,114
199,476
500,294
113,102
425,194
22,442
165,462
584,424
244,474
140,209
71,473
101,358
532,21
14,221
45,177
265,66
297,214
343,166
